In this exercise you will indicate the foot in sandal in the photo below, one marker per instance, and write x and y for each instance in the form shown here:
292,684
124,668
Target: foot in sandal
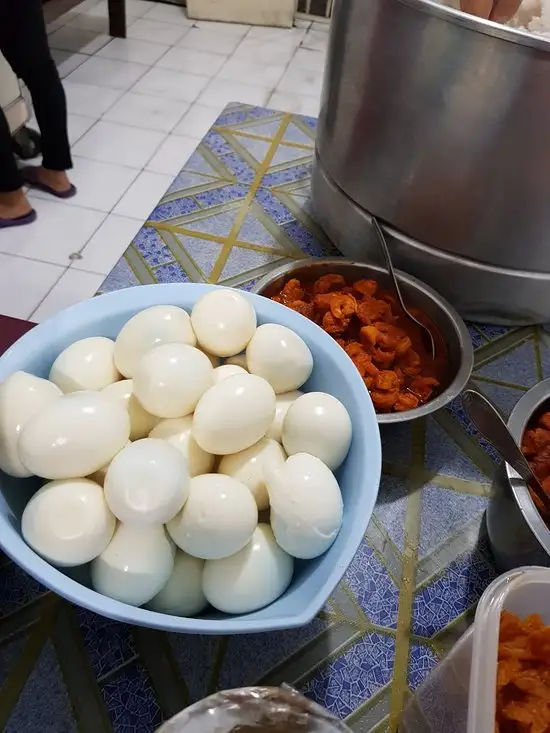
15,209
54,182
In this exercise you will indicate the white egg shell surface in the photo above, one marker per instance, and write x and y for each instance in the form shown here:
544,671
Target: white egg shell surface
223,321
68,522
170,379
76,435
227,370
135,565
22,396
85,364
252,578
217,520
238,360
248,467
182,595
161,324
147,482
99,475
234,414
280,356
214,360
306,506
319,424
177,431
141,421
284,401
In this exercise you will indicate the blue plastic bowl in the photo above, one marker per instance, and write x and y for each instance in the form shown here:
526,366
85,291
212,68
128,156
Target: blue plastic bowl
359,476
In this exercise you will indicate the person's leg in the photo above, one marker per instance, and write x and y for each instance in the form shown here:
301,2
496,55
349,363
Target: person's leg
13,202
24,43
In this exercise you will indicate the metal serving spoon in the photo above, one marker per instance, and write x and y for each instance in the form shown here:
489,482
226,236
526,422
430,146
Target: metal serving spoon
488,421
389,265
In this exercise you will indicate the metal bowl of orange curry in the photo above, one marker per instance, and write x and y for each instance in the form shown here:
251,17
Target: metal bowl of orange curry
355,303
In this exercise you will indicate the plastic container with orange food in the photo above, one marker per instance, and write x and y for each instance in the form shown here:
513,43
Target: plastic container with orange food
459,696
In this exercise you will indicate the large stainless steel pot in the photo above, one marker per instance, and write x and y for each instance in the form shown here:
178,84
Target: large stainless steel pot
438,123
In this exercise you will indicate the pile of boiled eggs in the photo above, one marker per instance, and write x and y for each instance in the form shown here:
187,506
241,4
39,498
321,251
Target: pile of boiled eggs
183,481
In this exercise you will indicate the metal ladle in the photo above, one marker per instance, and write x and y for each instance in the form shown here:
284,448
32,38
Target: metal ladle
389,265
488,421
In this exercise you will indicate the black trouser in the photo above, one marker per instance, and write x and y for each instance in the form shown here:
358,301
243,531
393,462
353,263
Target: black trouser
24,45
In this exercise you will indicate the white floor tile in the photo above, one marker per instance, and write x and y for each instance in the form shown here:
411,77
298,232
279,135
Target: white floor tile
222,91
78,125
107,245
110,142
56,24
24,283
315,40
303,24
171,84
77,39
197,122
89,22
186,59
283,35
213,41
299,104
137,8
148,112
309,59
172,154
89,100
169,14
263,74
320,26
152,30
59,231
108,73
72,287
235,29
143,195
100,185
66,61
301,79
133,49
274,52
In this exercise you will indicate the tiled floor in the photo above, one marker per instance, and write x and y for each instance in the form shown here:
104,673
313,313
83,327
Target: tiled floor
137,109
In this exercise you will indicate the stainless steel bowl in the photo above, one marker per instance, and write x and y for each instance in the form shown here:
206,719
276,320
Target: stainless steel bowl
517,533
416,293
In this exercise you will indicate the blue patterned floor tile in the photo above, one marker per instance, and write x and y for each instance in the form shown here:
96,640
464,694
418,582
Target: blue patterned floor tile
370,583
216,143
9,652
194,655
396,443
242,260
307,242
289,153
217,224
516,367
457,412
203,252
173,209
391,508
236,165
131,702
288,175
250,657
269,128
121,276
273,207
293,134
443,455
258,149
545,357
197,163
172,273
43,705
443,513
253,231
451,594
17,589
108,643
234,117
492,332
422,660
150,245
311,122
345,683
223,195
187,179
476,336
503,397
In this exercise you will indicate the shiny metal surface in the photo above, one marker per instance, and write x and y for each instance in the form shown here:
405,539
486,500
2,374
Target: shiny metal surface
480,292
517,534
416,293
437,122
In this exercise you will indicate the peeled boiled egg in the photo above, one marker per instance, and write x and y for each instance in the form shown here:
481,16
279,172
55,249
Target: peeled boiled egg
177,431
234,414
22,396
280,356
147,482
283,403
250,579
161,324
135,565
68,522
217,520
74,436
306,506
170,379
238,360
86,364
182,595
223,321
99,475
227,370
248,467
141,421
214,360
319,424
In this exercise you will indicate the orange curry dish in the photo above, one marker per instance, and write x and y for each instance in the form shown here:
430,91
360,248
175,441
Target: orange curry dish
535,446
386,347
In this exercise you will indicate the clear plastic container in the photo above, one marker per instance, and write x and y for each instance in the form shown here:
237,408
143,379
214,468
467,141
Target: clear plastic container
460,694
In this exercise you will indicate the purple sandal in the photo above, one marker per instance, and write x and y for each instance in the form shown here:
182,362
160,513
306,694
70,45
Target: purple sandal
29,177
19,221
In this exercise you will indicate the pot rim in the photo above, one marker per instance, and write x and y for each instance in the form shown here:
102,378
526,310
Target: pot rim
520,416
